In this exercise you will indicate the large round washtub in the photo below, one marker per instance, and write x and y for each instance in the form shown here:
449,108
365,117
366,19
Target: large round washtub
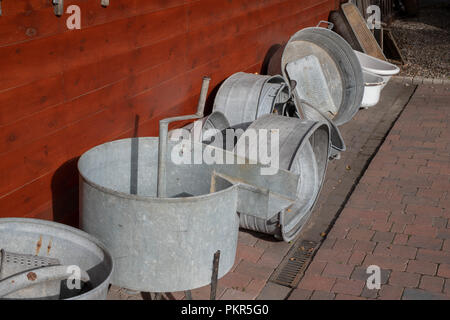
158,244
43,260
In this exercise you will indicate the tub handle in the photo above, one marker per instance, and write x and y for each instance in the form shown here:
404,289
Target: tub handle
163,133
32,277
329,24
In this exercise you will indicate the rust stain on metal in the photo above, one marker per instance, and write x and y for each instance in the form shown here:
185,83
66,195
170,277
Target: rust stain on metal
39,245
31,276
49,247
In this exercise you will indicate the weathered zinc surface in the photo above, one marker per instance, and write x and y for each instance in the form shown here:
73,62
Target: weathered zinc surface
64,91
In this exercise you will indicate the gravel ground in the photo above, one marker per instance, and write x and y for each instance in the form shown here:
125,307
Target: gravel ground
425,42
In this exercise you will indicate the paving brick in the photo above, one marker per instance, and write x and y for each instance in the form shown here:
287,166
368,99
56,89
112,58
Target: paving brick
443,234
300,294
316,282
247,238
444,270
395,250
400,239
253,270
349,286
398,228
235,280
419,294
322,295
364,246
270,260
432,284
344,244
273,291
433,256
357,258
337,270
447,286
404,279
341,296
232,294
389,292
255,287
380,236
425,242
386,262
422,267
248,253
402,218
446,246
331,255
316,267
369,293
360,234
381,226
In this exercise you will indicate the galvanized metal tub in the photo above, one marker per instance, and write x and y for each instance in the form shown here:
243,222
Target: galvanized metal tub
244,97
158,244
342,78
50,240
304,150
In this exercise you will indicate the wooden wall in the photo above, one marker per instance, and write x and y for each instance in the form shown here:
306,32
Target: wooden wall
64,91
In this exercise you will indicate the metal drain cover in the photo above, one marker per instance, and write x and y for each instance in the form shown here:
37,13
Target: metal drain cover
291,269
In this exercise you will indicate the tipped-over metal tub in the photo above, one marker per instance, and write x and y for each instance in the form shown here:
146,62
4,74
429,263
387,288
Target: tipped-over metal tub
158,244
38,258
304,148
244,97
327,73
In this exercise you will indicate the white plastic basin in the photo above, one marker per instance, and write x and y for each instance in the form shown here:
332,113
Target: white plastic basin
373,84
376,66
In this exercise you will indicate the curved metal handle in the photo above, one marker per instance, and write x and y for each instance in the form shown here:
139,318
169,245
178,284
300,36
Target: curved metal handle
329,24
36,276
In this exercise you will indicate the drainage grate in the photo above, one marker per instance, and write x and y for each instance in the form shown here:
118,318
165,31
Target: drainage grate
291,269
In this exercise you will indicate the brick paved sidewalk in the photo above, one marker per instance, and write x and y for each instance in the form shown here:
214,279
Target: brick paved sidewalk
397,217
259,255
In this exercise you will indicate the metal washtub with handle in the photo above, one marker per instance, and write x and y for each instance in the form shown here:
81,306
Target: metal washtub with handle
38,258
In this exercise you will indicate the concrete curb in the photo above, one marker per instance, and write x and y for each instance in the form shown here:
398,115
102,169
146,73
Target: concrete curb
422,80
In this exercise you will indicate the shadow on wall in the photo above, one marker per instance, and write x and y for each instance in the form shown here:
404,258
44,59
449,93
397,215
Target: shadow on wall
65,193
272,61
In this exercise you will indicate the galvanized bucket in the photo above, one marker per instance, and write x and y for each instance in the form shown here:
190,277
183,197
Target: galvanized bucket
326,71
304,150
244,97
159,244
38,260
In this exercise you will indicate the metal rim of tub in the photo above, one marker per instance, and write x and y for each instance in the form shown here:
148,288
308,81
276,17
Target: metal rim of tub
306,149
26,224
147,256
243,97
345,61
